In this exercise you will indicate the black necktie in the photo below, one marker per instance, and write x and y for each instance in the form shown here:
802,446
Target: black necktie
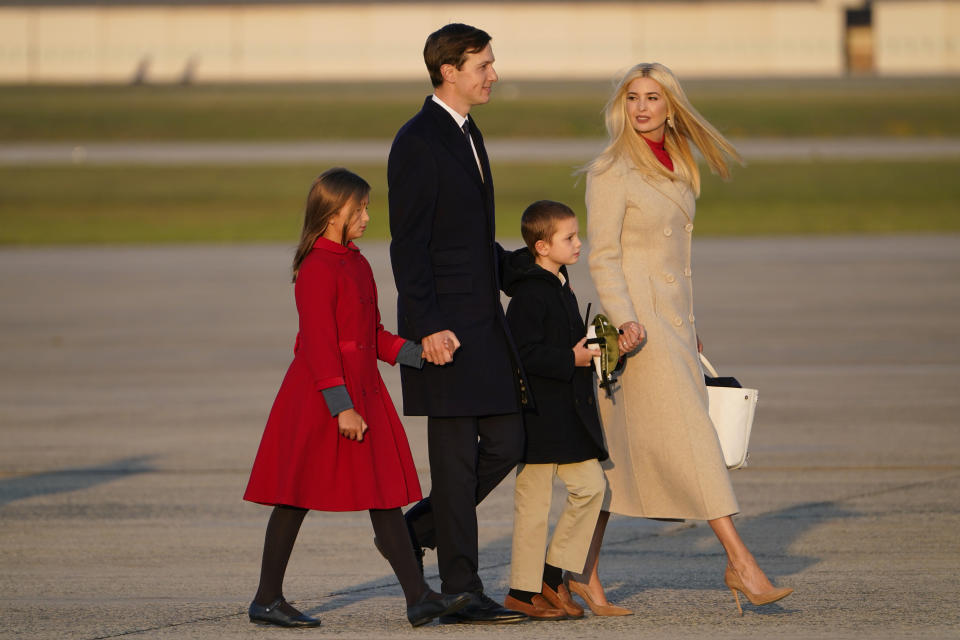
465,127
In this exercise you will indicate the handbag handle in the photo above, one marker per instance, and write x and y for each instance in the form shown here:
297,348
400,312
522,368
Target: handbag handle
709,367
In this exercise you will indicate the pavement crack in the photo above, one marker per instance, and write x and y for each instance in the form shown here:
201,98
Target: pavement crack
902,487
159,627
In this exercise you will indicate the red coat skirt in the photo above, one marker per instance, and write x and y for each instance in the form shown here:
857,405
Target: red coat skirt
303,461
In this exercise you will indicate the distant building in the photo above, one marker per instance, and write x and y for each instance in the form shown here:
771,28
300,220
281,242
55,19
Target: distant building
113,41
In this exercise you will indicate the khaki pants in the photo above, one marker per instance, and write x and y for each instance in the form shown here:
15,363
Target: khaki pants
586,485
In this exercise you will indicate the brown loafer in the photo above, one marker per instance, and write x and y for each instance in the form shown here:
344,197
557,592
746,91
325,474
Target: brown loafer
561,599
539,610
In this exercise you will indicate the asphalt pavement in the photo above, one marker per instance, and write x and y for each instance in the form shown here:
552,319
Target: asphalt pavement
135,382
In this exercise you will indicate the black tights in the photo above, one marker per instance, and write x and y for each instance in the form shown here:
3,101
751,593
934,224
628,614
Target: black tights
394,538
388,526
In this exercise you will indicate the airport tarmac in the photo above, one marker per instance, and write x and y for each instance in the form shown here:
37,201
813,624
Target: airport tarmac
135,382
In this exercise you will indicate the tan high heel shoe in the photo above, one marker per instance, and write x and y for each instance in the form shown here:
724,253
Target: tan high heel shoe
733,581
597,608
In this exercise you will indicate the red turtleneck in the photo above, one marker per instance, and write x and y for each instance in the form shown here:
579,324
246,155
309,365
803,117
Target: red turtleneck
660,151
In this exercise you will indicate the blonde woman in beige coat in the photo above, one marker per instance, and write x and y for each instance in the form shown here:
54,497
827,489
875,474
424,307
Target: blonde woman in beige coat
665,459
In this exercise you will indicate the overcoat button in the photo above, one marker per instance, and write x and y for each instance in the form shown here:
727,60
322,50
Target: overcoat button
678,321
670,278
687,272
689,227
690,317
668,232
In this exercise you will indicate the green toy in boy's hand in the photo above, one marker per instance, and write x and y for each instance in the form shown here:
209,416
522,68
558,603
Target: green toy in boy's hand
609,363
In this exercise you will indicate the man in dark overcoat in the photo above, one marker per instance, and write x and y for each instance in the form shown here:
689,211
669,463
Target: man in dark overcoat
446,265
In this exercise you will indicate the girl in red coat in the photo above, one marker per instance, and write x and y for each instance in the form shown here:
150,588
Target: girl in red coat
333,441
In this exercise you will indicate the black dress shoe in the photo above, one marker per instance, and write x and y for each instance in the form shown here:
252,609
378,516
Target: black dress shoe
272,614
426,608
483,610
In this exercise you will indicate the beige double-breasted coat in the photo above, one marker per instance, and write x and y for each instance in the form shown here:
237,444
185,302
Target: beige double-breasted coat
665,458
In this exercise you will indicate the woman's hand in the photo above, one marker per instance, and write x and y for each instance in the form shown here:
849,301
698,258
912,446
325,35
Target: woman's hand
352,426
632,334
699,344
582,354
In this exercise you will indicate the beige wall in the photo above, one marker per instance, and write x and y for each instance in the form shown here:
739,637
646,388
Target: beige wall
917,37
531,40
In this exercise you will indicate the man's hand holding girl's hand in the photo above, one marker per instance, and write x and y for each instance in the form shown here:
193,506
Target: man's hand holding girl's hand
439,347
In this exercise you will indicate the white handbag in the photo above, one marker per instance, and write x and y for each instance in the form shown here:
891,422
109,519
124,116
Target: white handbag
731,410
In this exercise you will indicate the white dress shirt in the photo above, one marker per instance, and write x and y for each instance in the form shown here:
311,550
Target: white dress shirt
459,119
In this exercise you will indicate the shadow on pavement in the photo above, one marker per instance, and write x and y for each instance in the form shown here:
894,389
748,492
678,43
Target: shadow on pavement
661,560
66,480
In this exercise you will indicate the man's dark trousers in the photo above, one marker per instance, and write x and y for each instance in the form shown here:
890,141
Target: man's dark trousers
447,520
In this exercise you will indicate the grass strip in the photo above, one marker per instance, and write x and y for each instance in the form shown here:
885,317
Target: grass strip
740,108
115,205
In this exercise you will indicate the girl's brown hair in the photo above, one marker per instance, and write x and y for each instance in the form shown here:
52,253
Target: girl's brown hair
330,192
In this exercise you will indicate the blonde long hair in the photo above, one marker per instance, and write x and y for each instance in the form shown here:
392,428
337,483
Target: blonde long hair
687,126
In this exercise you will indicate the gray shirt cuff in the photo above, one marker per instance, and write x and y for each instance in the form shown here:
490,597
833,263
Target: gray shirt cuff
337,399
411,355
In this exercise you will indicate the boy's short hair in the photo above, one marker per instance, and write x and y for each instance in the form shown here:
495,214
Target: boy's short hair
450,45
540,219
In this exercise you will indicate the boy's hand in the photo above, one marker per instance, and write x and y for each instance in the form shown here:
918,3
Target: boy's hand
583,355
351,425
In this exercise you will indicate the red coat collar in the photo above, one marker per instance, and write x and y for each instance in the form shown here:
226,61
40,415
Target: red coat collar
333,247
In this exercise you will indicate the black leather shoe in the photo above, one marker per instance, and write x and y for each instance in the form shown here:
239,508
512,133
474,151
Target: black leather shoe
418,551
483,610
426,608
272,614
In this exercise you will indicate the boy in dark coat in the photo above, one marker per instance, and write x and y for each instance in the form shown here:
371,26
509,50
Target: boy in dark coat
563,430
